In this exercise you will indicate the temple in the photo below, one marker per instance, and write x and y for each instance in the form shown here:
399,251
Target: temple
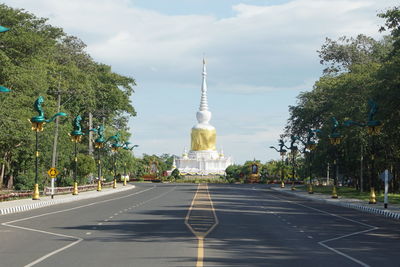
203,157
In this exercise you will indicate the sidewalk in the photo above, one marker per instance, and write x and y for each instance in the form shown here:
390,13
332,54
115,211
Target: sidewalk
13,206
393,210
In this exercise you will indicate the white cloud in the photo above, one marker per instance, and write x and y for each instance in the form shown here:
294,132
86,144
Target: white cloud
259,51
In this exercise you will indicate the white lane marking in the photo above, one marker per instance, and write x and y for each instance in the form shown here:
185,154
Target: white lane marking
100,224
78,239
310,237
9,224
322,243
79,207
106,220
88,233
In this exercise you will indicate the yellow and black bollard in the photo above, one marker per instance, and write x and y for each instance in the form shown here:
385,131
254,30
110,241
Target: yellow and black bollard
99,185
310,188
293,186
372,196
334,192
75,191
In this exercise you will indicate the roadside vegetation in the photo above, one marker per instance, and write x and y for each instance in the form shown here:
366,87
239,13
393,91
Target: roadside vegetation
358,69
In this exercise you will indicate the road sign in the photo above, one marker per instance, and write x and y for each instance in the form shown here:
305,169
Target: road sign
53,172
382,176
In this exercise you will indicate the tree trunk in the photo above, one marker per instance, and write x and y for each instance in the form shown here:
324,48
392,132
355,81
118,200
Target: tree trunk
3,166
10,182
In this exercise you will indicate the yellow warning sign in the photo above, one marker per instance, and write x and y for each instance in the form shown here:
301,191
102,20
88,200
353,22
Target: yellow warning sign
53,172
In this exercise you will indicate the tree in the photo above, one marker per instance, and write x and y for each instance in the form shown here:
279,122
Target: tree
39,59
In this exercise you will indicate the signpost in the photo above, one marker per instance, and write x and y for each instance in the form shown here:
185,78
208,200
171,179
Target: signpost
386,176
52,172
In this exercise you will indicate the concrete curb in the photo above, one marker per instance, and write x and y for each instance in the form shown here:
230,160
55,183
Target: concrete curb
381,212
39,204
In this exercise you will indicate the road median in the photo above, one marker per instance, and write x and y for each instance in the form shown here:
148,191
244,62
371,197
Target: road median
20,205
393,211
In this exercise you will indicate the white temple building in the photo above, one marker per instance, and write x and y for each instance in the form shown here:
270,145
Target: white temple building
203,157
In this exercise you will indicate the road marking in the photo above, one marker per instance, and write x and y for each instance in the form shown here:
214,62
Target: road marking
100,224
323,243
78,239
201,219
88,233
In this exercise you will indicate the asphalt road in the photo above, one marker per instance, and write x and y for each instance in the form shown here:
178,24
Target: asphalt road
162,225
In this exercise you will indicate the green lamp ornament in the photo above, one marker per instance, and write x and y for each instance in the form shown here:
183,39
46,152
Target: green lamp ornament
310,145
2,88
115,146
76,137
126,147
3,29
293,151
99,144
335,138
282,152
373,128
37,126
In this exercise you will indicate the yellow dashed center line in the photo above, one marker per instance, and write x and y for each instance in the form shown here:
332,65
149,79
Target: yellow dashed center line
201,219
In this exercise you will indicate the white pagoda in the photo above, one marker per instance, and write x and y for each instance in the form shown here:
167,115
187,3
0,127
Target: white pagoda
203,158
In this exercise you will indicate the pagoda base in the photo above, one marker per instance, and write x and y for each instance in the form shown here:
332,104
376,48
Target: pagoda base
204,162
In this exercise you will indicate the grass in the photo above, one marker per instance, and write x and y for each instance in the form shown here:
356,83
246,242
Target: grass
349,192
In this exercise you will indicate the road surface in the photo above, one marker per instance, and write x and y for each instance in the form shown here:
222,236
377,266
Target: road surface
198,225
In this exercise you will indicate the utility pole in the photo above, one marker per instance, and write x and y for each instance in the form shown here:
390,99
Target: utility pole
55,141
361,169
54,155
327,174
90,150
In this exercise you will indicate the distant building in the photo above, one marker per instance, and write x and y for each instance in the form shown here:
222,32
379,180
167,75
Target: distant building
203,157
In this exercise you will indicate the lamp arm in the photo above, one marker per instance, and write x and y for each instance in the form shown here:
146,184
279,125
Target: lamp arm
55,116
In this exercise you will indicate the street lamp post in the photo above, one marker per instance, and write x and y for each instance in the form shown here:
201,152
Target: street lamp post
310,145
335,139
37,126
374,128
2,88
99,144
282,152
126,147
76,137
115,146
293,152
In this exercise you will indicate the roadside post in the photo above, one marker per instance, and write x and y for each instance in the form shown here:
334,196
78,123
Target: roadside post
52,172
386,176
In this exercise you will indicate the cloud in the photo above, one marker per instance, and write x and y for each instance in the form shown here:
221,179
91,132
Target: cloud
257,89
256,40
258,58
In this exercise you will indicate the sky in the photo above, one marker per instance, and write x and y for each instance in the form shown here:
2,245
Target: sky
260,54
